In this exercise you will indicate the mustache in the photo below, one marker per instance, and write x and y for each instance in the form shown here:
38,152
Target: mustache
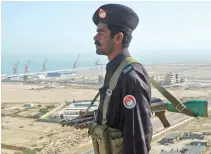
97,43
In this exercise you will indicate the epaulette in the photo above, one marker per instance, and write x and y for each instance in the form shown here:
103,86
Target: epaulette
127,69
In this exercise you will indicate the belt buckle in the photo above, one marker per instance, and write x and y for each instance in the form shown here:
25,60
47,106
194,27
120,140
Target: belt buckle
104,122
108,92
180,107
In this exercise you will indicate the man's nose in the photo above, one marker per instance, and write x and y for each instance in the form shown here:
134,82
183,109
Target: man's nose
95,37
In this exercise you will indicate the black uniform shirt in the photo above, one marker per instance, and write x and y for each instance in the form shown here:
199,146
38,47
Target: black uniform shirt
134,122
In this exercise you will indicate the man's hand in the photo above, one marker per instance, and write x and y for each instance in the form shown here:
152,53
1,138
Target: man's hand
82,126
83,112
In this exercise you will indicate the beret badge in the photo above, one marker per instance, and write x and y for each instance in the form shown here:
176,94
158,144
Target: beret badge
102,13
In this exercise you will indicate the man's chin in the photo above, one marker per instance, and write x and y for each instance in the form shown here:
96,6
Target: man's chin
99,52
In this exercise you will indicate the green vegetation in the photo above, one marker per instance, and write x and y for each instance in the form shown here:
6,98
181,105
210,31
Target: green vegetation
43,111
36,116
29,151
17,152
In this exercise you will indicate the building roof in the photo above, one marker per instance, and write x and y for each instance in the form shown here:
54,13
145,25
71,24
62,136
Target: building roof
198,142
172,136
194,149
165,152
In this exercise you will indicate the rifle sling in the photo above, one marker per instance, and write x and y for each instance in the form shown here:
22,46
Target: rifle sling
177,104
112,84
95,98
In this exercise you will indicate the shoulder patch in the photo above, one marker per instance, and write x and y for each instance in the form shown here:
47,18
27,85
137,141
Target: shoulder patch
129,101
127,69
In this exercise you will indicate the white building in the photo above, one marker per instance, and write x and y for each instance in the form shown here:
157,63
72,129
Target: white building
173,78
156,78
177,77
183,80
3,76
170,78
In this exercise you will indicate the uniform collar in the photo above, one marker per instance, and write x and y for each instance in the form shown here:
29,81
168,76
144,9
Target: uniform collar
114,63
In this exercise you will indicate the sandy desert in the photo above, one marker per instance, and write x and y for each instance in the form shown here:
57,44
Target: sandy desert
20,130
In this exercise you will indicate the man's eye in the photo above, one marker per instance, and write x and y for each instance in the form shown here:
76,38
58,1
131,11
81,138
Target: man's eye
100,33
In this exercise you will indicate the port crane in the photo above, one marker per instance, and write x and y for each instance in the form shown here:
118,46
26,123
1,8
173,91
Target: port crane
44,65
15,68
26,69
75,63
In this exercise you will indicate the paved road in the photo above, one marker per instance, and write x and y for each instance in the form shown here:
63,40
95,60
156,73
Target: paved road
173,119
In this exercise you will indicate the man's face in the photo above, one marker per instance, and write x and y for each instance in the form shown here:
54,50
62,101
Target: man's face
103,41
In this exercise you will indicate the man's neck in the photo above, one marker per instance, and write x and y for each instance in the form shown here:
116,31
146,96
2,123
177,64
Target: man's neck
115,53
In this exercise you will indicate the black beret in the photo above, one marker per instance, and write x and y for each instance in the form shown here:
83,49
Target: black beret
116,14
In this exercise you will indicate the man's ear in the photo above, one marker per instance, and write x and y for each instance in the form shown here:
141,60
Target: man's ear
119,38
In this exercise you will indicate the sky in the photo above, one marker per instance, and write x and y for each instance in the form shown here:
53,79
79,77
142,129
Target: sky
62,30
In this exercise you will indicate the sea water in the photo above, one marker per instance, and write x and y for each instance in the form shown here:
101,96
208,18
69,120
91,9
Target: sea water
66,60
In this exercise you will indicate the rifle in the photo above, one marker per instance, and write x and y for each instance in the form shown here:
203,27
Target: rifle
158,107
81,120
193,108
84,118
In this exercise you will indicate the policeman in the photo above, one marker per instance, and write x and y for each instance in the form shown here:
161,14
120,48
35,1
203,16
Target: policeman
129,105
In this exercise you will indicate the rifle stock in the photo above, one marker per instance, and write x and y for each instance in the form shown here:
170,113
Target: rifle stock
161,115
200,107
